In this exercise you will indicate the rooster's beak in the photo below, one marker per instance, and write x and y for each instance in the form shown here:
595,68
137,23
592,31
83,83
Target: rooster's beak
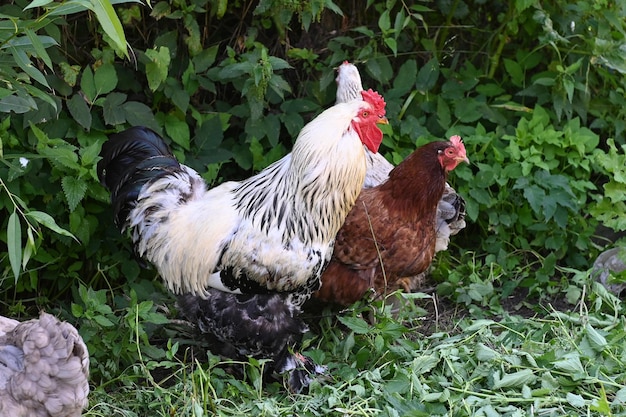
382,120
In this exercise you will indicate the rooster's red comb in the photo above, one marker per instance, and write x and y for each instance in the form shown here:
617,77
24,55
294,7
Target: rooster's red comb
376,100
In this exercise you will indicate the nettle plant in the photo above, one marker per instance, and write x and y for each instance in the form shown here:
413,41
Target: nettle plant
533,195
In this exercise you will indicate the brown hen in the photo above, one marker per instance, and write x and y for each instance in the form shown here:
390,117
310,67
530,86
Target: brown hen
391,232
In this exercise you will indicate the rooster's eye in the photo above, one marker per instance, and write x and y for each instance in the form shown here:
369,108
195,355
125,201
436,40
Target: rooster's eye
365,114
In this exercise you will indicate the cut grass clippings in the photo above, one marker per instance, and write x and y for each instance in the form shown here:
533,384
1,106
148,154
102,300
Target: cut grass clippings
561,363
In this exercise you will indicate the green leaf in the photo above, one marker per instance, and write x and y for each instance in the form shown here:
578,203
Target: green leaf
29,248
467,110
61,9
597,341
271,125
178,130
110,24
221,8
57,151
181,98
516,379
428,75
443,113
88,154
515,71
103,321
77,310
210,134
571,364
575,399
278,63
39,47
279,85
105,78
74,189
521,5
37,3
356,324
405,80
138,114
114,113
46,220
205,59
236,70
88,85
380,68
17,104
485,353
158,67
393,45
14,243
22,60
41,95
384,21
79,111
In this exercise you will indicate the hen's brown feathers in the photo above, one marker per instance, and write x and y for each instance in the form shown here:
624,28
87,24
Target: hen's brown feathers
391,231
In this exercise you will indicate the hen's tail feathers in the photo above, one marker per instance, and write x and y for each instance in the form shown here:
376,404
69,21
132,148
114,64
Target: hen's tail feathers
378,169
456,217
130,159
450,217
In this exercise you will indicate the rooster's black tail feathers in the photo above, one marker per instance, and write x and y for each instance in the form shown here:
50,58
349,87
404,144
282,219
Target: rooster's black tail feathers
130,159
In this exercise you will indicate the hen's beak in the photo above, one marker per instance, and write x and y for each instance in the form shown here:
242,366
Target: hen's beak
382,120
463,158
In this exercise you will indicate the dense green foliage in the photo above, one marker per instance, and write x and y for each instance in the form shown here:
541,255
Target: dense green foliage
536,89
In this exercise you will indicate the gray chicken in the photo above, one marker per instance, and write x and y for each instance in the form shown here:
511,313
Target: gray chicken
44,368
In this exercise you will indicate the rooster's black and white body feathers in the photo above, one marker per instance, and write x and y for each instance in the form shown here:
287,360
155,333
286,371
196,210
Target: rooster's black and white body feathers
270,232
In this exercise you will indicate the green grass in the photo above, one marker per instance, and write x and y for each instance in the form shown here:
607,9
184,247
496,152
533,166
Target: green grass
420,361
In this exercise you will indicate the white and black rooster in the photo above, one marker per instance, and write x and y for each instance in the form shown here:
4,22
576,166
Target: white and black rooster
246,255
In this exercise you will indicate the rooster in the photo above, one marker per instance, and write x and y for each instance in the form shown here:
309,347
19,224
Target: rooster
44,368
391,231
246,255
451,207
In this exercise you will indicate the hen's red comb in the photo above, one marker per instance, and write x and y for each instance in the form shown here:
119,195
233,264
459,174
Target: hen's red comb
456,140
376,100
